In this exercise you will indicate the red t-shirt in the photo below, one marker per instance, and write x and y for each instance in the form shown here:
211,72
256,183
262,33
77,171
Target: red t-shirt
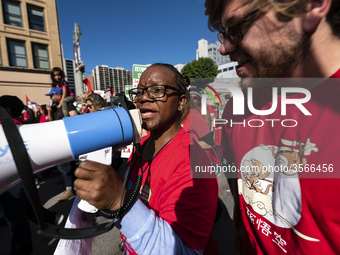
187,204
43,119
210,110
83,111
18,121
284,211
197,127
218,135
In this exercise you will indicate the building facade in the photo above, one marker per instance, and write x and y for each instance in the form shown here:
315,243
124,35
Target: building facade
70,73
227,70
212,51
179,67
105,77
29,47
74,78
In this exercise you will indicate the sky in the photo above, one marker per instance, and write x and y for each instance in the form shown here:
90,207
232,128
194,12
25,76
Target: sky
120,33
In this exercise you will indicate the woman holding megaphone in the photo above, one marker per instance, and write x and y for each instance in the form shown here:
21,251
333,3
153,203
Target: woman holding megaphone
174,213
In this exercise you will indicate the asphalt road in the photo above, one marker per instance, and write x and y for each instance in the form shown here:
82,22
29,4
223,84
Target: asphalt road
51,187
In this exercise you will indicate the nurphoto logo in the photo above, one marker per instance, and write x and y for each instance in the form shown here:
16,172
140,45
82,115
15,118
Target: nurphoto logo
214,91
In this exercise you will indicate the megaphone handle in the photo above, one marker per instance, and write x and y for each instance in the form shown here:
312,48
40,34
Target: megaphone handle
103,156
86,207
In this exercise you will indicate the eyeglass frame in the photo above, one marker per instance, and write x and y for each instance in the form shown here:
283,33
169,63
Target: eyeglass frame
89,106
227,34
147,91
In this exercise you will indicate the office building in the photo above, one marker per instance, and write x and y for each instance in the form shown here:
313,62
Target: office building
105,77
212,51
227,70
70,72
29,48
179,67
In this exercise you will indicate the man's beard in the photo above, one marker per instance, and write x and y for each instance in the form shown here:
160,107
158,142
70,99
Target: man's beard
279,64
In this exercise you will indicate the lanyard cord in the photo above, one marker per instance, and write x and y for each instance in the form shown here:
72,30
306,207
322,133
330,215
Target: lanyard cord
148,166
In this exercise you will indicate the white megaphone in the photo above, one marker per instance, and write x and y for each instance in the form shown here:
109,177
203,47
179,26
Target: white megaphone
52,143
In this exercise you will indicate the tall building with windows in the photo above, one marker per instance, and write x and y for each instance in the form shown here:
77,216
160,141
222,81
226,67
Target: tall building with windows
29,47
227,70
70,72
105,77
179,67
212,51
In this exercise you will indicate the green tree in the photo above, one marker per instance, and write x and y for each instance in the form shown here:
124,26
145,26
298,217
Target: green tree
201,68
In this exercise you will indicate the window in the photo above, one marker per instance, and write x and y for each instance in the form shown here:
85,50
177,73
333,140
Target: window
36,18
40,56
230,68
12,13
210,49
225,69
16,53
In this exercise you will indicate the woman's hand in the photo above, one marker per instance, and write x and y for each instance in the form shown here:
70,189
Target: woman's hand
99,185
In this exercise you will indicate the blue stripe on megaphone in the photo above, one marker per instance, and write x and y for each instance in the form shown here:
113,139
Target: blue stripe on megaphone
98,130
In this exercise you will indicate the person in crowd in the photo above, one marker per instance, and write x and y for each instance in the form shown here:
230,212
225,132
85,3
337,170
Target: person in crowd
164,219
28,115
197,97
84,108
55,113
294,210
14,204
42,114
94,102
195,124
59,81
217,141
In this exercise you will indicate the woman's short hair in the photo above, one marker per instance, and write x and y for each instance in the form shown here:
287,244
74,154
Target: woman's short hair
97,101
181,84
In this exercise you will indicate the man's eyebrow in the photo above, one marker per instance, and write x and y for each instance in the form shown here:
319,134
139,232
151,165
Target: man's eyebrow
232,20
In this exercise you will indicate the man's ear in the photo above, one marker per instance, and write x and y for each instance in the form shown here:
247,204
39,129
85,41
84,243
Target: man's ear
182,101
316,10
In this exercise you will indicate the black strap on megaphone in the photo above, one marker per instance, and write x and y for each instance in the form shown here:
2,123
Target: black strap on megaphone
25,172
22,162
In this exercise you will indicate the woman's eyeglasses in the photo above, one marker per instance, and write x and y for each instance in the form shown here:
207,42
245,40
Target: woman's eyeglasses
155,91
